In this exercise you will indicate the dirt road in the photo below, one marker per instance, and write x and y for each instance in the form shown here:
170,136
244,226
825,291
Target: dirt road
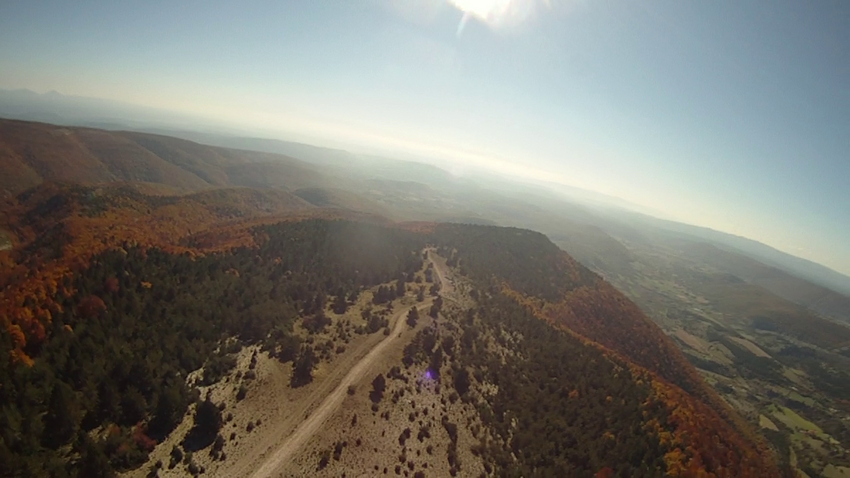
440,267
311,424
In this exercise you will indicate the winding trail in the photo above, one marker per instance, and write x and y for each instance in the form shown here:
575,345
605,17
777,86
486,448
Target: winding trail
311,424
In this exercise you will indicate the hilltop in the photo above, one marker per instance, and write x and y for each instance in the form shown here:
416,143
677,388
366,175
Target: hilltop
114,296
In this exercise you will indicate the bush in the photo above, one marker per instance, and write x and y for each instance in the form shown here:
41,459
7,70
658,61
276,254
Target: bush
324,459
379,384
208,422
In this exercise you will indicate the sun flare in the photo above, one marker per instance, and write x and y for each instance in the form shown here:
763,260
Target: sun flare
484,9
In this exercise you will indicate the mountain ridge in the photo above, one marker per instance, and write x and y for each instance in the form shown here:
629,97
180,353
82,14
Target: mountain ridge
61,229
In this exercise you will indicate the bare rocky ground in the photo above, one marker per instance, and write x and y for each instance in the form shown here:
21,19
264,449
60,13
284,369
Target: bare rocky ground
406,438
419,428
258,425
271,409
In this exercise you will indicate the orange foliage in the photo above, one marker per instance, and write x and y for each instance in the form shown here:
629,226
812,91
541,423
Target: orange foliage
605,316
705,436
702,442
18,339
209,221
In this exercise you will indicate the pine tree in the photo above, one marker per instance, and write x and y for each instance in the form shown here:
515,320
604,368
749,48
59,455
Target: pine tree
60,422
302,368
412,317
399,288
339,305
379,384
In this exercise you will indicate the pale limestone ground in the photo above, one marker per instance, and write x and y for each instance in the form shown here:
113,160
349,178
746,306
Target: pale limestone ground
371,443
270,401
317,418
273,408
424,401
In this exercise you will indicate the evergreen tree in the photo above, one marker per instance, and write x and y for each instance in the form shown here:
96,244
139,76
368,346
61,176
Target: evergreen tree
289,346
60,421
302,368
460,379
339,304
435,307
412,317
93,461
379,384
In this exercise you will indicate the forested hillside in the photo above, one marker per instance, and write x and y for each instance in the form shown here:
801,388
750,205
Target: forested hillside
108,378
108,307
555,288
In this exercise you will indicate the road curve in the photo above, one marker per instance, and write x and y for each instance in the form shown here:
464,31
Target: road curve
311,424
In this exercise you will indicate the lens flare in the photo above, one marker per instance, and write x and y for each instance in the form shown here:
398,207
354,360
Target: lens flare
497,13
486,10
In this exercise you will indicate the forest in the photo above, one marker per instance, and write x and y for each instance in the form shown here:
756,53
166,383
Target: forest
562,408
108,364
569,406
109,379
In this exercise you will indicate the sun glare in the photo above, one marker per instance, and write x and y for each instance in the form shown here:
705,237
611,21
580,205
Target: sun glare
497,14
484,9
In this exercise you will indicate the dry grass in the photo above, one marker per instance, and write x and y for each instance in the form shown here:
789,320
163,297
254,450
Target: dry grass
373,444
271,406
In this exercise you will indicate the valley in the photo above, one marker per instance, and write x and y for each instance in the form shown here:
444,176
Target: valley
768,358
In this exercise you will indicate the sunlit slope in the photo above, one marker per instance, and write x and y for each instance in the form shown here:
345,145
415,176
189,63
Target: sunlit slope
528,267
31,153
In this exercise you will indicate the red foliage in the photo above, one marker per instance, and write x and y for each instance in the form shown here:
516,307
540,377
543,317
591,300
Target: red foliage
91,306
604,315
111,285
143,442
604,473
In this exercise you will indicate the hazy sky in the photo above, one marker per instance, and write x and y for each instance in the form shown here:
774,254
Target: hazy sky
720,113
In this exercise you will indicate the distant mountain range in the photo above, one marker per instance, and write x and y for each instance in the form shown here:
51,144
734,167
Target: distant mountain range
606,212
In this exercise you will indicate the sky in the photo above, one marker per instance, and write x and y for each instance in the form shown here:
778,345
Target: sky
726,114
